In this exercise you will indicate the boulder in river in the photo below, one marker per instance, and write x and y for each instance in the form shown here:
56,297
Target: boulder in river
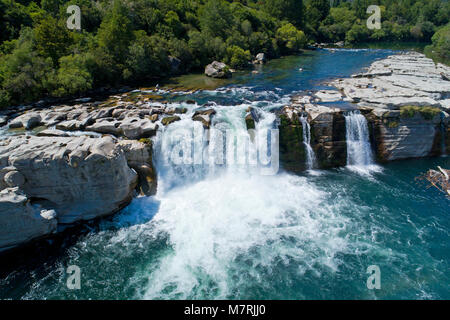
218,70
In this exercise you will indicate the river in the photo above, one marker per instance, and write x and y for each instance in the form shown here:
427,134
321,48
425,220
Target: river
230,233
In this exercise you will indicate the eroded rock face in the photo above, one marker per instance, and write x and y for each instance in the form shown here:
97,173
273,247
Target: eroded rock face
139,158
327,129
398,137
21,222
218,70
81,178
292,149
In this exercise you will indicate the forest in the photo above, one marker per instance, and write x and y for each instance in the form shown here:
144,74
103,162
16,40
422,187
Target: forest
124,42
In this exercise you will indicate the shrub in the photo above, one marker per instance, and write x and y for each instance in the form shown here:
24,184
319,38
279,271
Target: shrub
237,57
291,38
428,113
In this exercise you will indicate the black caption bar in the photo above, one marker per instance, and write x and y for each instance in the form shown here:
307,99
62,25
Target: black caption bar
249,309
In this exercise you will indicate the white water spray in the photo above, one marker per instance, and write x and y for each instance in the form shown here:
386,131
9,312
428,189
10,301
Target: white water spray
359,151
310,155
218,220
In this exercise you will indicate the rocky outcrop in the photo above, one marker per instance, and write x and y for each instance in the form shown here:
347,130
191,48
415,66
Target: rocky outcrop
328,135
327,128
292,150
399,80
218,70
139,158
81,178
20,221
405,100
397,134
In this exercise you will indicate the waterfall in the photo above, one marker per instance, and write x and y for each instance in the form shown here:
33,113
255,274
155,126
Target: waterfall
310,156
186,153
359,152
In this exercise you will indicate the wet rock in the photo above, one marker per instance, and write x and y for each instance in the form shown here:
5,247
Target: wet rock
27,120
136,128
401,134
328,95
14,179
399,80
168,120
139,157
52,133
204,116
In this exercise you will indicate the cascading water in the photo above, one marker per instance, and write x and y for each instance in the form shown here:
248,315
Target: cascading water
310,155
227,216
359,151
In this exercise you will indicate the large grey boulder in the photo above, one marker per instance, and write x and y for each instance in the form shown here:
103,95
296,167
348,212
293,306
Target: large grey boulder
218,70
21,222
80,177
260,58
28,120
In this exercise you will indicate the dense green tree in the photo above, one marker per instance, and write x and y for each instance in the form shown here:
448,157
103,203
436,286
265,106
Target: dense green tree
73,76
291,10
116,32
125,42
52,38
292,38
216,18
238,57
440,47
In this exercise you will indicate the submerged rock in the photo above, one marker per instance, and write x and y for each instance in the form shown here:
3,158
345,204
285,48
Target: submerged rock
260,59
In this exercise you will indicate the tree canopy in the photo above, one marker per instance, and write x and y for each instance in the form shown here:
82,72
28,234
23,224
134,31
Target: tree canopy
133,41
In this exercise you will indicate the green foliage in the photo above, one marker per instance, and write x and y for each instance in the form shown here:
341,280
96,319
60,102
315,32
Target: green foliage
130,42
216,18
428,113
358,33
291,10
292,38
238,57
147,57
440,47
116,32
52,38
73,76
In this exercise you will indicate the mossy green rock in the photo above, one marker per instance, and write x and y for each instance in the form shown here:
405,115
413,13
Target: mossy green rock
168,120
